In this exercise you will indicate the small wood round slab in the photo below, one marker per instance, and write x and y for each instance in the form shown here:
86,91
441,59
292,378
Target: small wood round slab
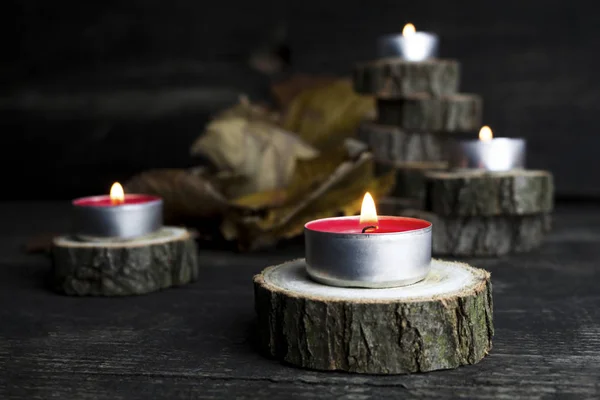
422,112
112,268
484,236
480,193
442,322
391,78
393,144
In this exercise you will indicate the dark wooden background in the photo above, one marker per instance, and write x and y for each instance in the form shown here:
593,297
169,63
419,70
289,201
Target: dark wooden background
96,91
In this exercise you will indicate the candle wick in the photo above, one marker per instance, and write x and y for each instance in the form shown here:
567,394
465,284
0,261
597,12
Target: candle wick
364,230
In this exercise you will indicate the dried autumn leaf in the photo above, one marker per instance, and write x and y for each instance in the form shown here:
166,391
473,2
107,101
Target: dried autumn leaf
326,115
340,193
186,194
262,200
333,193
308,175
378,187
260,151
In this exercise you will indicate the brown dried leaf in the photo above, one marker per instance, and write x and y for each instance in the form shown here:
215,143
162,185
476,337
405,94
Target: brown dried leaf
257,150
326,115
262,200
339,193
187,194
308,175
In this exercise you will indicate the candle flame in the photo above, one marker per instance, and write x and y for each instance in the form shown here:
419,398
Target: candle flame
117,195
408,29
368,212
485,133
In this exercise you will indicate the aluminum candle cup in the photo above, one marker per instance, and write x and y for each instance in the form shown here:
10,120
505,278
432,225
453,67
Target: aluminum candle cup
498,154
397,253
97,218
417,46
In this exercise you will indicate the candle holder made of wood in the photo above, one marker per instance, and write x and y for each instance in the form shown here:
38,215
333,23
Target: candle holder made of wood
137,266
483,213
441,322
418,110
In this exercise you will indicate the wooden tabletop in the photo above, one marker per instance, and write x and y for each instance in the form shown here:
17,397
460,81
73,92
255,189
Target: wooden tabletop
197,341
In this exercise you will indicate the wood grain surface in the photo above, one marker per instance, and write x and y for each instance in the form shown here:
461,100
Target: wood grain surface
198,340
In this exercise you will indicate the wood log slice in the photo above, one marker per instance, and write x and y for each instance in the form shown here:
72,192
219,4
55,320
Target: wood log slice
485,236
423,112
391,78
111,268
481,193
393,144
410,177
442,322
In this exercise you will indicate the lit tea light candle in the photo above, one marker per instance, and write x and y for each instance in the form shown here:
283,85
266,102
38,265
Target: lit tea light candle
487,152
411,45
117,215
368,250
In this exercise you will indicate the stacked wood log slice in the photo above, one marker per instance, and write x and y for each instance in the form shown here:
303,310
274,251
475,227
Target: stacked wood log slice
485,236
418,108
394,78
423,112
479,193
397,145
479,213
442,322
121,268
474,213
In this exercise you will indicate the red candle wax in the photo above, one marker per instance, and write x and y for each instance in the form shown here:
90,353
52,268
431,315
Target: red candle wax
105,200
385,224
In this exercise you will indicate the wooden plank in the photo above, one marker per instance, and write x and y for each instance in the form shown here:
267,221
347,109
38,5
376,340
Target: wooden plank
475,385
197,341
